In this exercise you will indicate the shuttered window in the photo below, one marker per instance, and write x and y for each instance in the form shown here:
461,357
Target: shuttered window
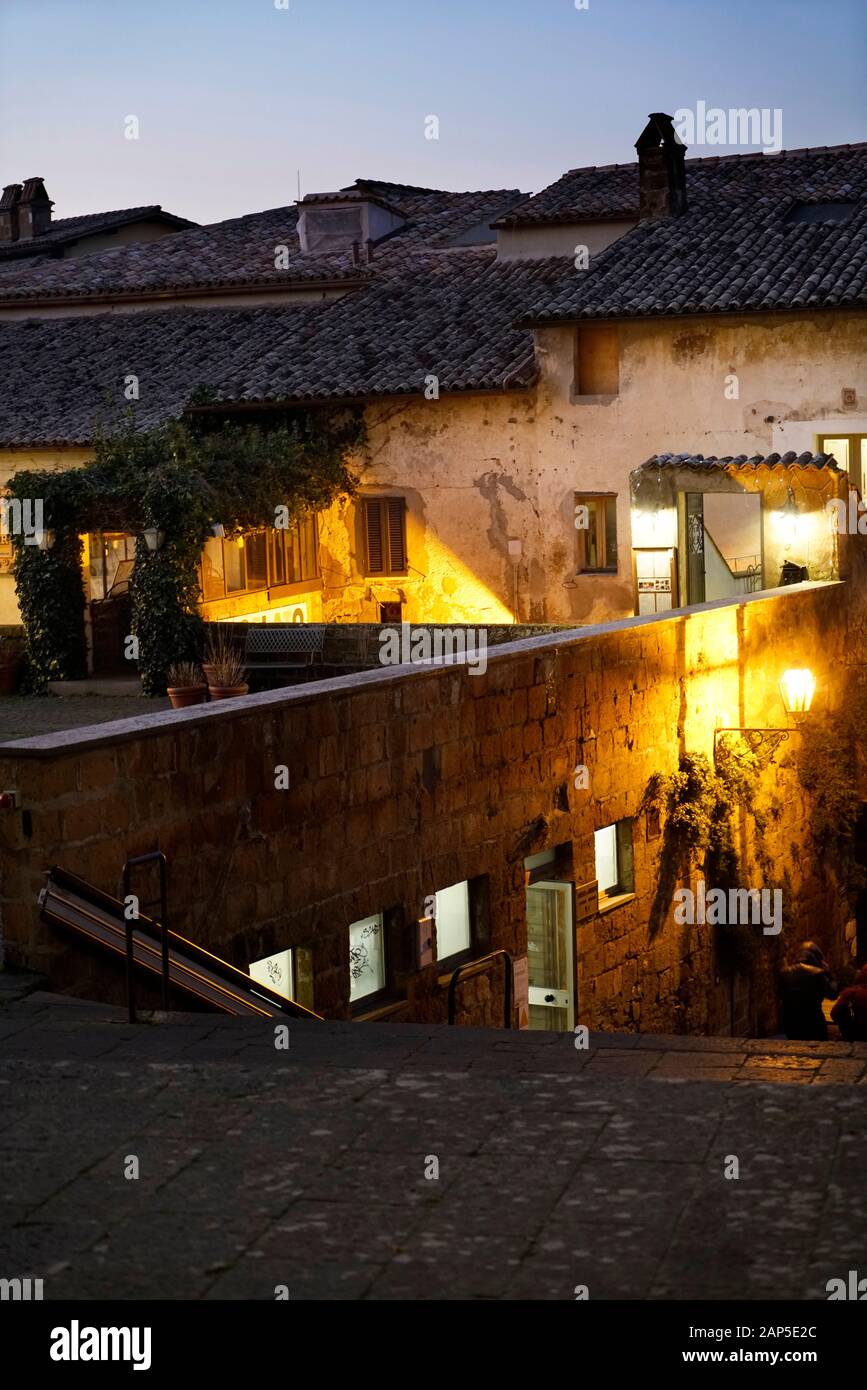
385,535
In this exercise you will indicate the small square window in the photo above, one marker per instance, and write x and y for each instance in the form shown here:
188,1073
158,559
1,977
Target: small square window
613,850
452,916
366,957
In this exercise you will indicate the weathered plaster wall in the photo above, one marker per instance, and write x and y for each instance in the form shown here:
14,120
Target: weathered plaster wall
406,781
479,470
677,378
464,464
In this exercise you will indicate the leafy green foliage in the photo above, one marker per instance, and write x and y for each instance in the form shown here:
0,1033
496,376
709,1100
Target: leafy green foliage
51,599
180,478
698,803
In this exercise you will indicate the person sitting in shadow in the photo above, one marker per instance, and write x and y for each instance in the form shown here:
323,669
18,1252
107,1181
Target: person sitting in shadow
850,1011
802,987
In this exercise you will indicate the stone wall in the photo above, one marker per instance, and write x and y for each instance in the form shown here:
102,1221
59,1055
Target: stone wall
407,780
350,647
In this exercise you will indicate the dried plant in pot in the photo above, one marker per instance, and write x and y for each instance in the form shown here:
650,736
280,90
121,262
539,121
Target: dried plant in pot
185,685
224,669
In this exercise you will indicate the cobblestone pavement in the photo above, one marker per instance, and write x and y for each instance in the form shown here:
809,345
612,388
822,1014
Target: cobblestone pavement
307,1167
26,716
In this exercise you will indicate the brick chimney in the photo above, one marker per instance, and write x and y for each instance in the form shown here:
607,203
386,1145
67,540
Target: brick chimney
34,210
661,175
9,212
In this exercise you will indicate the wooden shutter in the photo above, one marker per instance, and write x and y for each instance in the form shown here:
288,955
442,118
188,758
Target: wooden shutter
373,536
395,512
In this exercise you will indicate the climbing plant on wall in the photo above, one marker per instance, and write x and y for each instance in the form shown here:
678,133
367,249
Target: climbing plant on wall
180,479
699,803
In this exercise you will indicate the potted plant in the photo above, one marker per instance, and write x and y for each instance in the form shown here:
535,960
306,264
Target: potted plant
11,663
224,669
185,685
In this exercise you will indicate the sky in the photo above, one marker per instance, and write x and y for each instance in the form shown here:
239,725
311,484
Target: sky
233,98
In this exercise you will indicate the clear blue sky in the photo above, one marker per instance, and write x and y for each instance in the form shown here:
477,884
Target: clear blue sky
233,96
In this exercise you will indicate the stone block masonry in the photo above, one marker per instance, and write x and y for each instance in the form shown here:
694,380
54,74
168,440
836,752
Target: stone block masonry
408,780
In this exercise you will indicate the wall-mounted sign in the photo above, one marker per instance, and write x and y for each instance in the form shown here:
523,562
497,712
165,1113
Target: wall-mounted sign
586,900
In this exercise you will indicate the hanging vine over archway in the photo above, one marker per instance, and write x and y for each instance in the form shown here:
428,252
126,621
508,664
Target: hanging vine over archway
180,478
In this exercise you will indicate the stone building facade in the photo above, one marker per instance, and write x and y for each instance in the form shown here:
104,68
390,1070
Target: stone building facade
291,816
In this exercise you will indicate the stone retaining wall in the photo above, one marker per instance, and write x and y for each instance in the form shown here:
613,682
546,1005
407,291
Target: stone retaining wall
403,781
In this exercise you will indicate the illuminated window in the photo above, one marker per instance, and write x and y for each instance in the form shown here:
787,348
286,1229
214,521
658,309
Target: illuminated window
384,535
850,452
277,972
452,915
261,559
366,957
613,849
596,533
289,973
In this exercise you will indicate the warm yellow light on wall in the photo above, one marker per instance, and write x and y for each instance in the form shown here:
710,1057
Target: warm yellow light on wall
789,523
240,542
797,688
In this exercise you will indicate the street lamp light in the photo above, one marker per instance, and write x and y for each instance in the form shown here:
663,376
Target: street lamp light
797,687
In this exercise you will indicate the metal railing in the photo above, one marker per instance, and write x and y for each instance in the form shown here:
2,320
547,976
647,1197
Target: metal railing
476,967
155,857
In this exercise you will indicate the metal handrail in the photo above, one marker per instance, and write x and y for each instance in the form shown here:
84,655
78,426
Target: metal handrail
155,856
507,978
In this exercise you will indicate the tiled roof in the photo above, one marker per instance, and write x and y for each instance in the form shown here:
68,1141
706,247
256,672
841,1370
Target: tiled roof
611,190
242,250
699,461
739,246
67,229
448,314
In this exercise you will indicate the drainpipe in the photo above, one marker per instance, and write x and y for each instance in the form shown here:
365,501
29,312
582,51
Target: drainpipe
515,555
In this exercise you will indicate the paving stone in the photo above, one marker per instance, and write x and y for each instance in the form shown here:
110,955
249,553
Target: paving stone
556,1167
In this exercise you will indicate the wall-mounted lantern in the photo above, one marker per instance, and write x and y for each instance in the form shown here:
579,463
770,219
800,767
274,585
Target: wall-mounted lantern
797,688
153,537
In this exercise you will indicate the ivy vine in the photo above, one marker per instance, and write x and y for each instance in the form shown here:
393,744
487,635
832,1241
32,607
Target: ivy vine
181,478
699,803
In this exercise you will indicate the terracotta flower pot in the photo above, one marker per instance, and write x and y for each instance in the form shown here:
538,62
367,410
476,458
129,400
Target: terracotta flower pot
183,695
227,692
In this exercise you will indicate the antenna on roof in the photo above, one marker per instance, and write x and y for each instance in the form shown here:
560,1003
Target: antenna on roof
298,172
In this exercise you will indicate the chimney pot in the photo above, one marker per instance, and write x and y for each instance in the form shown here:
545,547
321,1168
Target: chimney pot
9,203
661,173
34,210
